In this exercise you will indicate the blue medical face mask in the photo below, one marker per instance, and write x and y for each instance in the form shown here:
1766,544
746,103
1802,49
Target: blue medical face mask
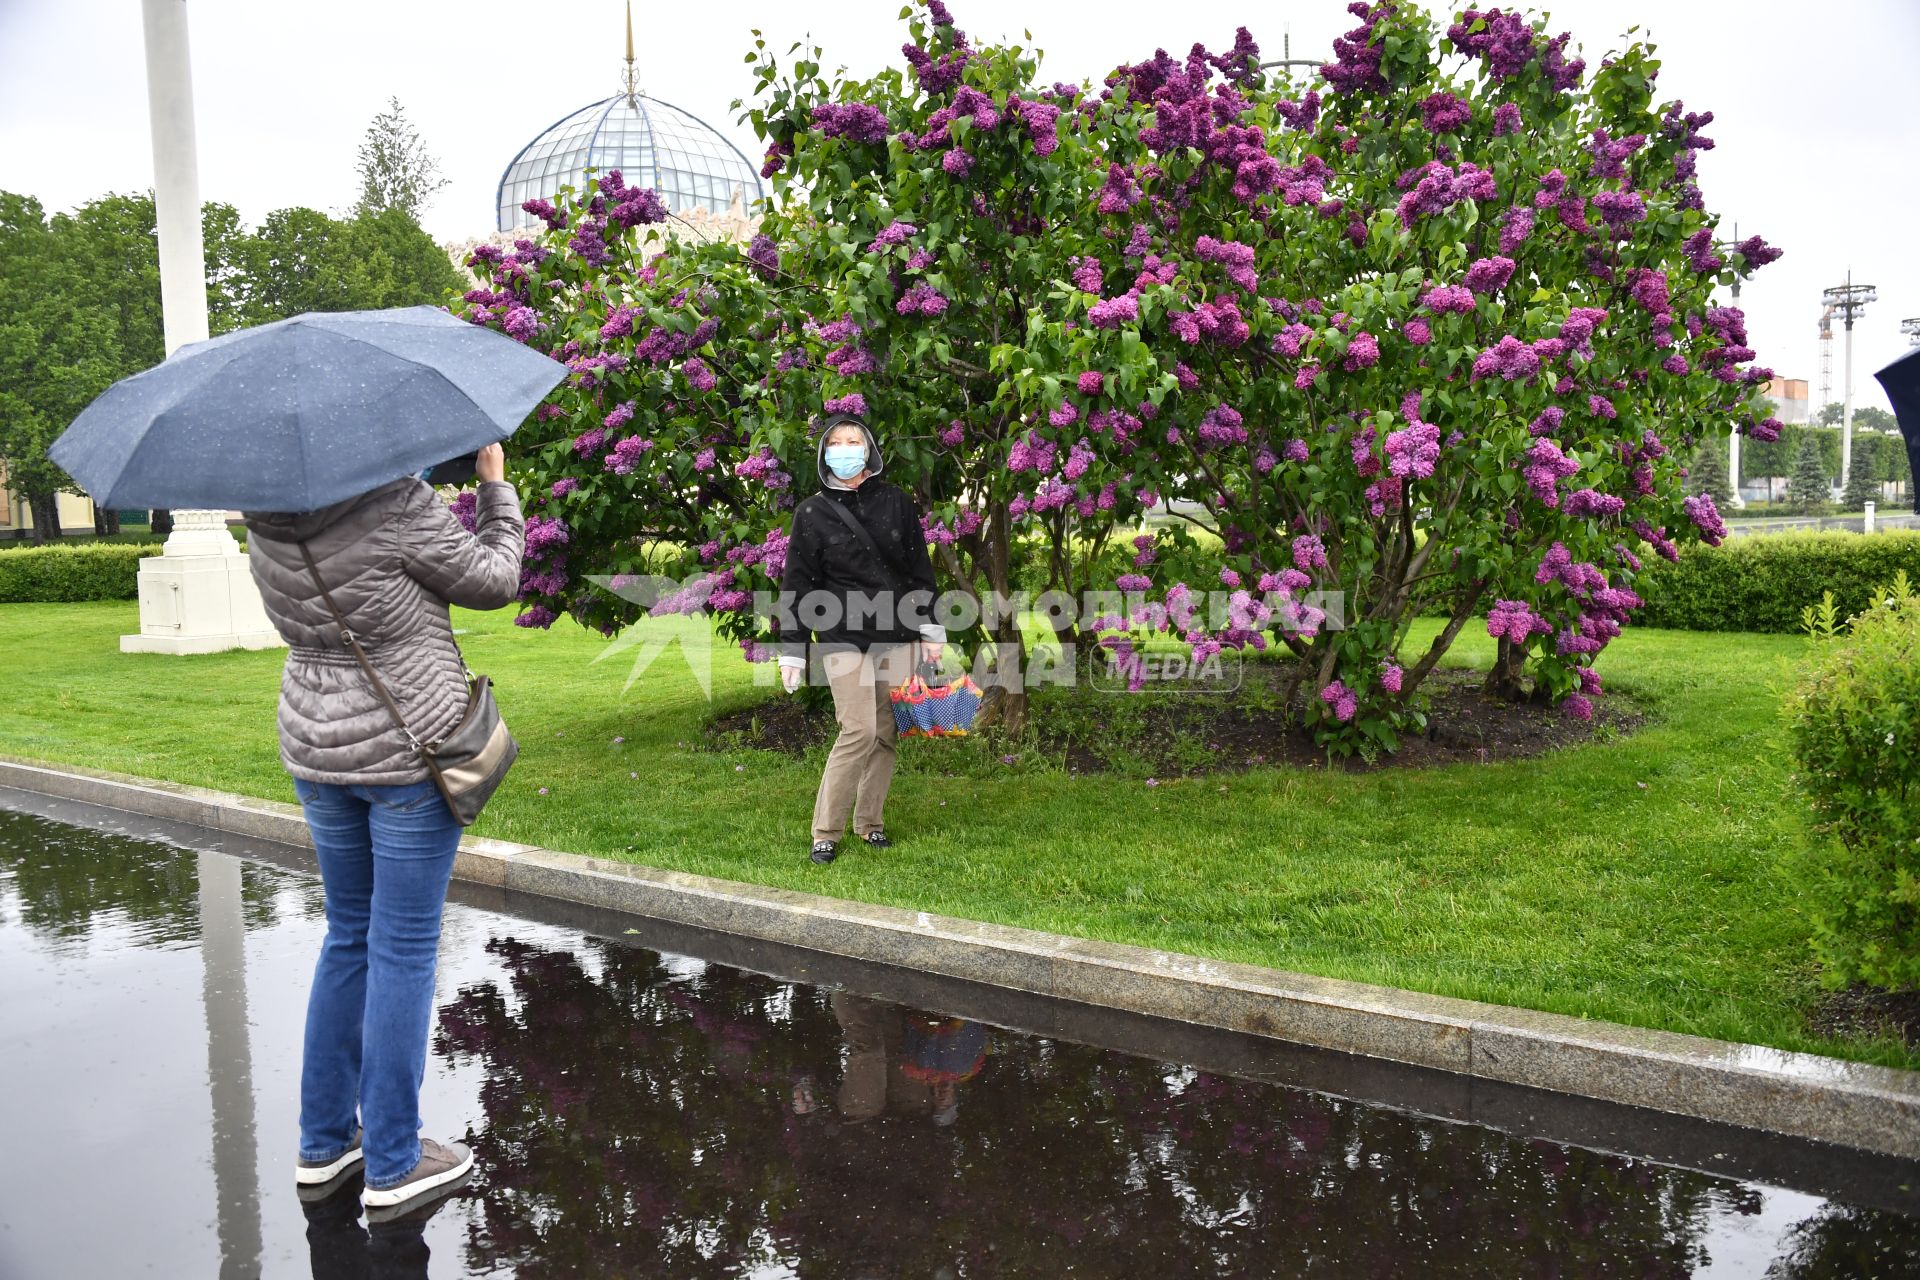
846,460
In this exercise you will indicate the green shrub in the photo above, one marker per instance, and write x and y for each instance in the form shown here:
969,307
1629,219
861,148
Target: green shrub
1764,582
59,573
1854,727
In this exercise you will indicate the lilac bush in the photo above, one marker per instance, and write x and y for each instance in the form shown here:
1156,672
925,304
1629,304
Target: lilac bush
1428,335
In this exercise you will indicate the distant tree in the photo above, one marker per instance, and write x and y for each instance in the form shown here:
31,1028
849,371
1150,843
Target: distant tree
1863,481
80,304
1874,418
303,260
1807,490
1707,473
396,169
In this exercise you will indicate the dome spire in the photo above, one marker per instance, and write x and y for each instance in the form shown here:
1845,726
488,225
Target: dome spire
632,76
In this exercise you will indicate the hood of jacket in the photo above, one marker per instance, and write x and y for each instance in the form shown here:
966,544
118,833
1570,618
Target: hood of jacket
299,526
828,480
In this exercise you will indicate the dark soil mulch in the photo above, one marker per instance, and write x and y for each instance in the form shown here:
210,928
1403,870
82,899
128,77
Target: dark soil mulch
1214,733
1865,1012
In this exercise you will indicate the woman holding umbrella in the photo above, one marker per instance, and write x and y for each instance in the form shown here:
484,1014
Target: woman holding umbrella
858,576
304,424
392,561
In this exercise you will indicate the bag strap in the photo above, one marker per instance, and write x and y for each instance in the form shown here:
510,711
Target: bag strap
860,531
353,643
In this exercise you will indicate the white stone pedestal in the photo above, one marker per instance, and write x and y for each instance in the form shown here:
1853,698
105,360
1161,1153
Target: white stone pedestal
198,595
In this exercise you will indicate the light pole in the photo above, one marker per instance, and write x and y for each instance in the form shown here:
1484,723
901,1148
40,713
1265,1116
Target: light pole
1848,301
197,595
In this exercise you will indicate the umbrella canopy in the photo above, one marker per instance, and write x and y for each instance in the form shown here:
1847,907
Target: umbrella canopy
1901,379
305,412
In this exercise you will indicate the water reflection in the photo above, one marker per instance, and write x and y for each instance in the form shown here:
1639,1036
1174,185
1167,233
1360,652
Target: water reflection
636,1113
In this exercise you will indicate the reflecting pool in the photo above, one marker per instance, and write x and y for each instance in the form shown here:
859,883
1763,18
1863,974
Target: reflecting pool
638,1111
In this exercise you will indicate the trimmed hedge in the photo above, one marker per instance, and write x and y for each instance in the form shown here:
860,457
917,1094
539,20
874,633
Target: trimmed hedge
59,574
1762,582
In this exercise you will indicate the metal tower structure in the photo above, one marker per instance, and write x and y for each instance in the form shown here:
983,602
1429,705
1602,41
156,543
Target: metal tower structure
1911,327
1848,301
1826,364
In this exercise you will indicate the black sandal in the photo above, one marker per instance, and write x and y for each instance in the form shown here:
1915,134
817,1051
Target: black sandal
878,839
823,851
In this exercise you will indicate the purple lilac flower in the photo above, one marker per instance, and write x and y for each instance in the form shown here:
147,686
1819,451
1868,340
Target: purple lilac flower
1706,517
625,456
854,121
1546,467
1515,620
1236,258
1506,119
1418,332
1583,504
1444,113
1363,352
1413,450
764,256
956,162
1042,122
1620,209
1089,275
1504,42
1120,191
1509,358
1448,297
521,323
1756,251
1601,407
1391,677
698,375
466,509
922,299
1340,700
1488,275
1561,73
544,210
1222,425
894,233
1515,226
563,486
853,402
1308,553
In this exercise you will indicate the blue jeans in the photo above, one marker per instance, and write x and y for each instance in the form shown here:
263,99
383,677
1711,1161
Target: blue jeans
386,854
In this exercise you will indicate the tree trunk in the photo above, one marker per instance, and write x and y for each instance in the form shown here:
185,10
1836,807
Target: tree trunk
46,516
113,523
161,523
1006,701
1507,680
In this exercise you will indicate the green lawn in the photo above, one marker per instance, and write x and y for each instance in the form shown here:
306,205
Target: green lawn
1642,880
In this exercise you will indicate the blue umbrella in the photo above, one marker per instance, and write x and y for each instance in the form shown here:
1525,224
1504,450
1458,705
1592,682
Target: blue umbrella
1901,379
305,412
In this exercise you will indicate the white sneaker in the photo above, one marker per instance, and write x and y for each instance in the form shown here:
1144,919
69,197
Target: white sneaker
440,1163
312,1173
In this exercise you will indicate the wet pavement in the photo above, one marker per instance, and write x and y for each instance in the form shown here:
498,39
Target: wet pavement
639,1111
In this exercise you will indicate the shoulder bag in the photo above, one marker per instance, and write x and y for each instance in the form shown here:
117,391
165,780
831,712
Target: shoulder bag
469,763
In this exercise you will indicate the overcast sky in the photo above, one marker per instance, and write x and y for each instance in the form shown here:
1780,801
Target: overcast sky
1816,118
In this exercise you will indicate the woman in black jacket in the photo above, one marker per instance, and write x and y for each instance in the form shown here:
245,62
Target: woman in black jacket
859,579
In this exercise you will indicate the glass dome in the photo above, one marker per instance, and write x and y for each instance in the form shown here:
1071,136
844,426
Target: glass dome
652,143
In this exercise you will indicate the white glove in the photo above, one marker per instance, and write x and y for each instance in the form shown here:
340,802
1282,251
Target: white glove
790,677
930,651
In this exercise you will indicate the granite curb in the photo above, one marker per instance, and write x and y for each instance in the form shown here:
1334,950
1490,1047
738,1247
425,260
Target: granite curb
1801,1095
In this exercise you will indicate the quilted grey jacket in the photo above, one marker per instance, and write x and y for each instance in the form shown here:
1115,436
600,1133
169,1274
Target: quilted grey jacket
394,559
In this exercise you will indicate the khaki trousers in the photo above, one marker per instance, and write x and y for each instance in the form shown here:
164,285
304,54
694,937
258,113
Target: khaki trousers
860,765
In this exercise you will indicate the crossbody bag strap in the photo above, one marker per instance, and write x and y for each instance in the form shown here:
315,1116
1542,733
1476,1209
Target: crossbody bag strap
353,643
860,531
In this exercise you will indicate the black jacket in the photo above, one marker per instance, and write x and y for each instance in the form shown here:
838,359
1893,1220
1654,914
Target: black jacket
825,556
